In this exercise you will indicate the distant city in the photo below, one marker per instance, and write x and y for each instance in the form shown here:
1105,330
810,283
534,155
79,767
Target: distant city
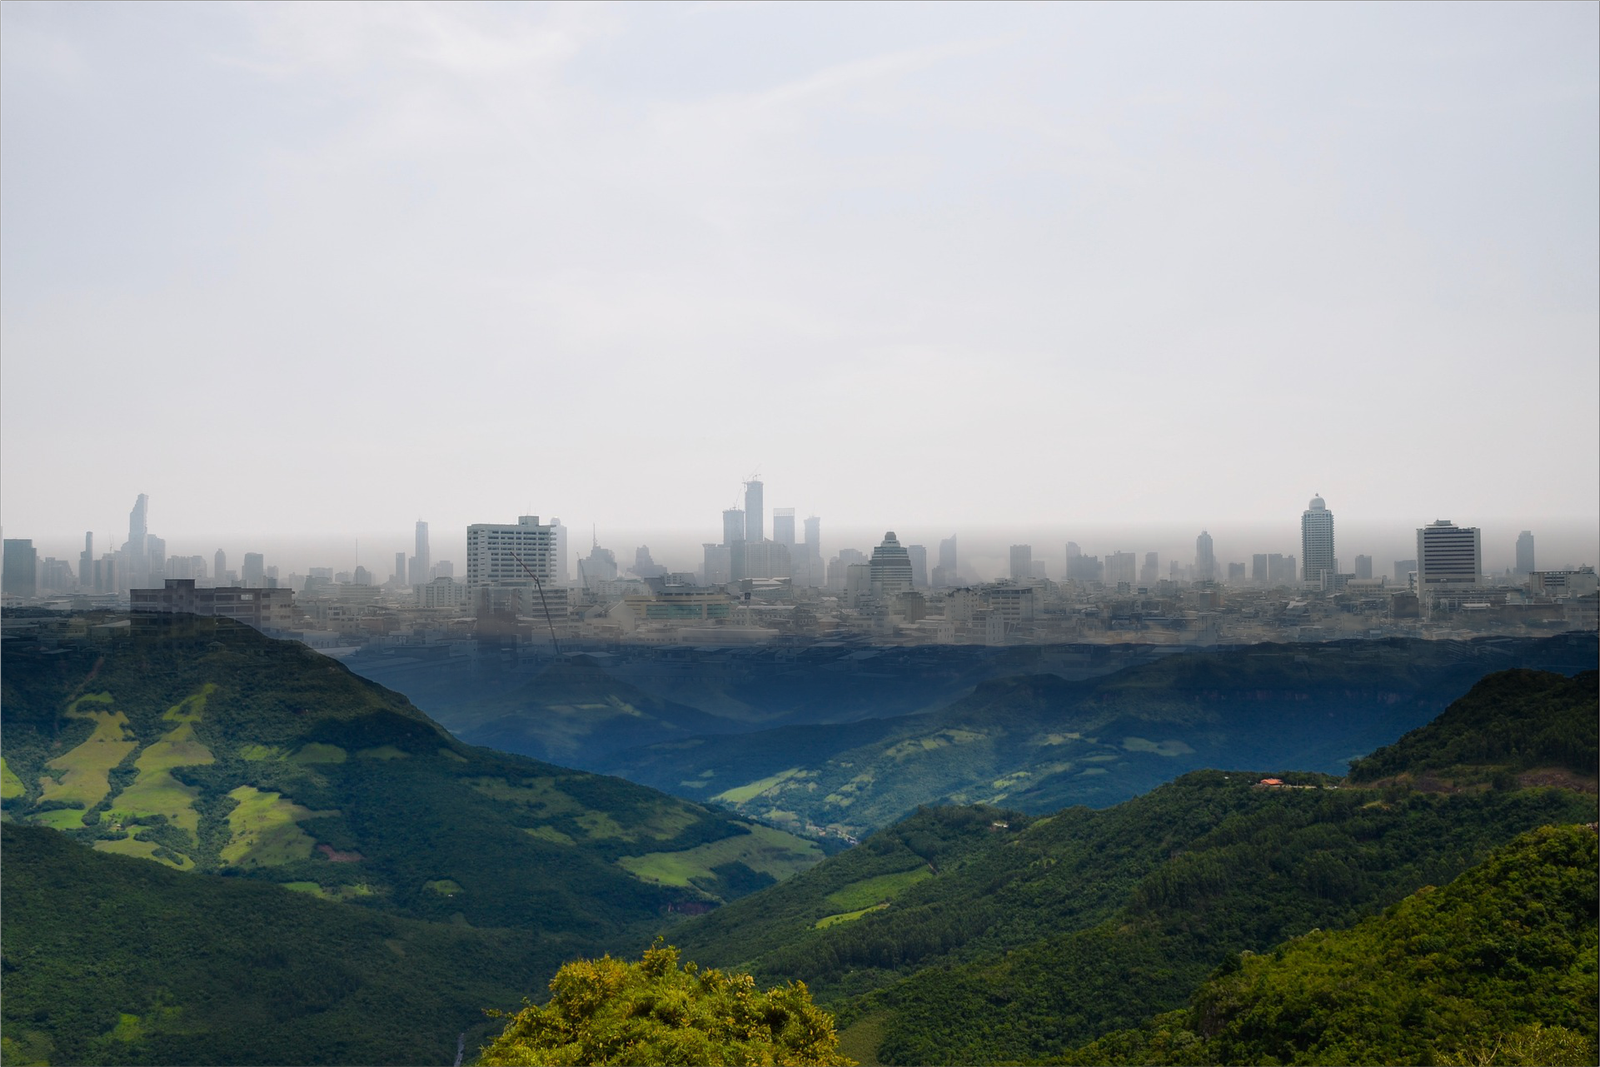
523,584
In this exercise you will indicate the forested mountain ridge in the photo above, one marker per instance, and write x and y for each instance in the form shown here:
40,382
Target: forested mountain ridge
1045,933
206,746
1039,742
1497,966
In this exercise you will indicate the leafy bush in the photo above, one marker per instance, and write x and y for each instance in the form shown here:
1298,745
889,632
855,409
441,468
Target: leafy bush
606,1011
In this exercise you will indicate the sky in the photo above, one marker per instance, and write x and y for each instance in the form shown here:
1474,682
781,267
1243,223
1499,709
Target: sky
317,270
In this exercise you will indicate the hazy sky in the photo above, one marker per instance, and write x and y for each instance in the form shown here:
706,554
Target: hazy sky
317,268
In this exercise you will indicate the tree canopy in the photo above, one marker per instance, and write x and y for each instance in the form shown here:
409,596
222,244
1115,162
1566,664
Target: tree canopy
607,1011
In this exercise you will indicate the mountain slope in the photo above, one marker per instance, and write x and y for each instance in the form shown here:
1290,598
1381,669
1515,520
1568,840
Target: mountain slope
1041,742
1042,934
207,746
110,959
1500,960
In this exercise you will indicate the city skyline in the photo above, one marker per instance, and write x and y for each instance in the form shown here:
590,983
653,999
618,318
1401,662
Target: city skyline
938,270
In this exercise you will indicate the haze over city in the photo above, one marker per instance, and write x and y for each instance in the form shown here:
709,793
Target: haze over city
308,272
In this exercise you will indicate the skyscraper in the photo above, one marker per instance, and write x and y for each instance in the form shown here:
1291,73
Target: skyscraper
1021,562
86,564
254,572
1525,553
1448,555
1150,570
890,568
136,567
919,566
400,569
1363,568
1316,541
19,567
219,568
420,563
944,575
1205,561
783,525
732,526
755,516
814,537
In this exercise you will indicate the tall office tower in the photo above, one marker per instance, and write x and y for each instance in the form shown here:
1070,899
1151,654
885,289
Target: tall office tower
718,564
508,565
814,537
1258,568
219,568
732,526
19,567
919,566
1280,569
1448,555
944,574
1120,568
1205,560
1363,567
86,564
1525,553
254,572
889,570
1150,572
420,562
400,569
1236,574
1021,562
135,567
755,515
1403,569
1316,541
563,566
783,525
155,554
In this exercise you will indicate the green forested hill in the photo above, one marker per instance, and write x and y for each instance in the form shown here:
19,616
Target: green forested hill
110,959
1498,966
1041,934
205,747
1039,742
1511,722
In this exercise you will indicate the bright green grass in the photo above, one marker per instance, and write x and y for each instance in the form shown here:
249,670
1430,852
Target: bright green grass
749,792
59,819
768,851
127,1028
265,829
133,846
882,889
846,916
74,711
316,752
860,1040
88,765
445,887
191,708
341,892
665,822
10,784
155,791
383,752
257,753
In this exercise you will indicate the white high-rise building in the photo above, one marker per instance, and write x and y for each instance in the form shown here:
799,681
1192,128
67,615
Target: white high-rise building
1448,555
889,570
1316,541
1205,560
509,558
755,515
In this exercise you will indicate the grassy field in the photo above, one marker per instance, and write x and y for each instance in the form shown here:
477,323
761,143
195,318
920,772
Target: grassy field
59,819
879,890
383,752
10,784
133,846
749,792
846,916
89,765
265,829
763,850
191,708
155,791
